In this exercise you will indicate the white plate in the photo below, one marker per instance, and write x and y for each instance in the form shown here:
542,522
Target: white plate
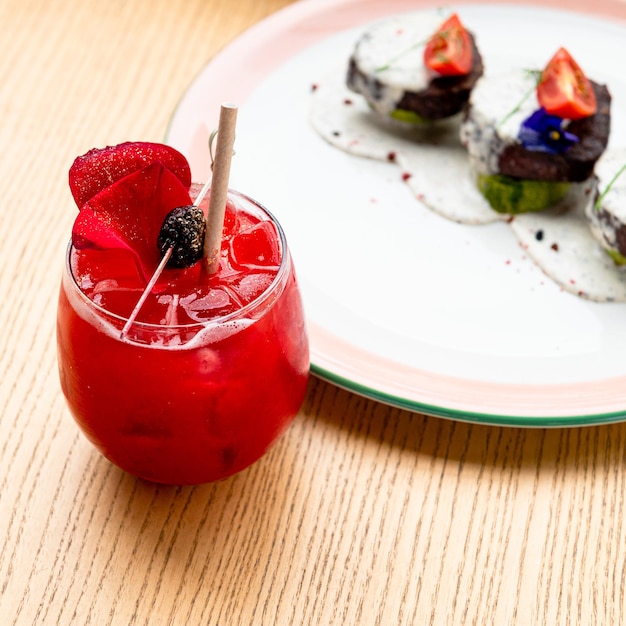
403,305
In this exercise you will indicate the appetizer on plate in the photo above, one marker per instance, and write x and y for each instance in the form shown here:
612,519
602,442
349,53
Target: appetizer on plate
414,68
533,138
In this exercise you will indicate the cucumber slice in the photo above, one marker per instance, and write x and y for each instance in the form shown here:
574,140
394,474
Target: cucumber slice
409,117
511,195
618,258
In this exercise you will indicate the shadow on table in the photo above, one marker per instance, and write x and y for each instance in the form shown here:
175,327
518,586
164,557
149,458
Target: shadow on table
464,442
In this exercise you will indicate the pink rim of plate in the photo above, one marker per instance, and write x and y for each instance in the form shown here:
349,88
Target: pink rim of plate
264,48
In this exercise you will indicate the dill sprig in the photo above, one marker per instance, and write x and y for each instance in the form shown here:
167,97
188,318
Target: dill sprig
536,74
608,187
398,56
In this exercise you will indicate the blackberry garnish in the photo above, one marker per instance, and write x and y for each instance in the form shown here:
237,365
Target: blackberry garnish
183,230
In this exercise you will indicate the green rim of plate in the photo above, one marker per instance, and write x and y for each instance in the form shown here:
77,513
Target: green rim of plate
493,419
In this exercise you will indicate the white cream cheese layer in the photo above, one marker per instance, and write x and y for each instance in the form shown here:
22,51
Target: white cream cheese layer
392,53
606,219
498,106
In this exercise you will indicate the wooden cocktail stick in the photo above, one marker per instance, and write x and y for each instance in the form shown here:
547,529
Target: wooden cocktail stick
146,291
158,271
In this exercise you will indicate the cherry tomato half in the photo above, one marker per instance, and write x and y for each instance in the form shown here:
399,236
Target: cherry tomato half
449,50
564,90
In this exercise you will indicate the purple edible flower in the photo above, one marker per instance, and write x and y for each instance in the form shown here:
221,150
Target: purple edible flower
543,132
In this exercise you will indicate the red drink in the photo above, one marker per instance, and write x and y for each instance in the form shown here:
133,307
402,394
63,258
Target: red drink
213,370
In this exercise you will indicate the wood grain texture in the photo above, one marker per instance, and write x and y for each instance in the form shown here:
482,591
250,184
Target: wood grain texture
362,514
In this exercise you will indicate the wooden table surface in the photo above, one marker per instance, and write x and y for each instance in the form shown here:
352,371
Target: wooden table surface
362,514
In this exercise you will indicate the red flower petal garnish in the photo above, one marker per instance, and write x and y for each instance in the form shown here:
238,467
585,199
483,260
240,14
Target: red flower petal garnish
101,167
129,214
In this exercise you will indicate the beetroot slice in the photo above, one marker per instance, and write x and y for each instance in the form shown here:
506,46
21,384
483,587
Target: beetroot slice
129,213
101,167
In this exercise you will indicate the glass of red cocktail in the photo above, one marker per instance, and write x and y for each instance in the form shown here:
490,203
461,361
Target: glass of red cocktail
211,372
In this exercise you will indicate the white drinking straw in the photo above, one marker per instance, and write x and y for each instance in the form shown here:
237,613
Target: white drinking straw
219,186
